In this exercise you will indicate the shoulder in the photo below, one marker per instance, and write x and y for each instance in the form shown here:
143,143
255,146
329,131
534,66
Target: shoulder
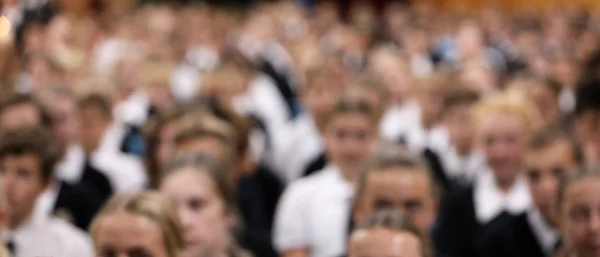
69,232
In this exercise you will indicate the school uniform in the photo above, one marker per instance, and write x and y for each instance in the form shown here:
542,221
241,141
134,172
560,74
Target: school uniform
527,234
263,100
48,237
313,214
462,170
467,214
397,120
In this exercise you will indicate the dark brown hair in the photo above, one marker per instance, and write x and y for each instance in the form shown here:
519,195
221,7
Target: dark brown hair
201,124
96,100
396,221
352,106
15,99
459,96
31,140
549,135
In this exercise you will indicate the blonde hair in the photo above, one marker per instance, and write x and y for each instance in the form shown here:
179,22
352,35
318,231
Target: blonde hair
152,206
511,104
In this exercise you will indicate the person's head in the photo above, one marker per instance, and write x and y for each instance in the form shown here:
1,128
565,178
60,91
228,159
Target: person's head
551,154
368,89
503,124
156,80
388,233
323,89
430,95
139,224
471,39
19,110
545,94
458,103
587,118
95,115
400,180
480,78
579,212
61,105
205,199
349,134
160,139
389,65
27,159
565,69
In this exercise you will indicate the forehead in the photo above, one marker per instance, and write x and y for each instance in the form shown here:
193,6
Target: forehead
498,121
206,144
399,182
584,192
384,242
25,159
124,230
558,152
349,119
188,180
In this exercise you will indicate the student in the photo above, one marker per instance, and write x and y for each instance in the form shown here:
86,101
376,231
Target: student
100,139
206,202
27,159
551,154
400,180
544,94
389,234
312,216
202,132
587,117
300,145
461,162
139,224
19,110
502,124
578,215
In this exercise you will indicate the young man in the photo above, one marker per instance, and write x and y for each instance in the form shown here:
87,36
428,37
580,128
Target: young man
27,160
552,154
20,110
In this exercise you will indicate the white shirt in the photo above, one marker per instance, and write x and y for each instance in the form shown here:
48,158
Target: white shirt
490,201
546,235
313,213
398,119
44,206
462,168
49,237
267,103
296,146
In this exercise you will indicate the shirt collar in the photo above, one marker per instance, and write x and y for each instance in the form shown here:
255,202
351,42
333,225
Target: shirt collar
490,201
342,186
546,235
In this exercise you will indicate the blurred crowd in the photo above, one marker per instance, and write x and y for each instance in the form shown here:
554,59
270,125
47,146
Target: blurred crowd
298,129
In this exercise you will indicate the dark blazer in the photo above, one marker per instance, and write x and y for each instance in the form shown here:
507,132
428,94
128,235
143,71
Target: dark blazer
458,232
515,238
317,164
77,204
96,180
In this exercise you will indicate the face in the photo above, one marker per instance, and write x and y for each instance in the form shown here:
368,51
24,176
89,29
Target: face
544,169
383,243
165,148
580,217
201,210
322,95
93,125
128,235
460,127
349,139
65,122
546,103
21,115
431,102
22,182
587,125
205,144
503,138
408,191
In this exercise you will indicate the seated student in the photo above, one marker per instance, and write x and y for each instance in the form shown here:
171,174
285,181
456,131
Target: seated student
206,202
401,180
389,233
578,203
312,215
139,224
300,144
551,154
502,124
202,132
27,159
99,137
461,162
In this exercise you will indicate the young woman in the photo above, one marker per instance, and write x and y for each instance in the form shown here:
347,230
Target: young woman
140,224
502,125
205,199
579,213
312,216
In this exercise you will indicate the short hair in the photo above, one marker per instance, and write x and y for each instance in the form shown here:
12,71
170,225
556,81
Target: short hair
352,106
588,96
96,100
459,96
152,206
511,105
581,173
549,135
15,99
31,140
392,155
197,125
397,221
371,83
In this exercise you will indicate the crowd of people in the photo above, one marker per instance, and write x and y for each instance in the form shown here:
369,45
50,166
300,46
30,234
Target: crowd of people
298,129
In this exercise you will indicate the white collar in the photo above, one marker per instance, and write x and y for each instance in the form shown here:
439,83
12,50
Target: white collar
545,234
469,166
490,201
70,169
112,138
22,233
332,173
45,202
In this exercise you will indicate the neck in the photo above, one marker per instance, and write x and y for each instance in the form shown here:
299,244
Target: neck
349,175
506,185
463,151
